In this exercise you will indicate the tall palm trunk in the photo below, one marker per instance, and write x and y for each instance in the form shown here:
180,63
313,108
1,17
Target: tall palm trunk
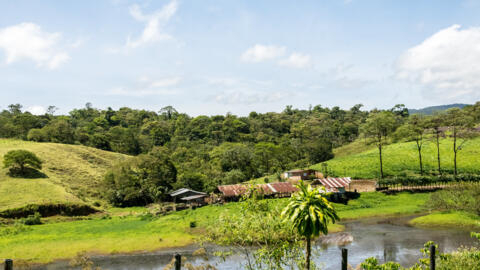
307,255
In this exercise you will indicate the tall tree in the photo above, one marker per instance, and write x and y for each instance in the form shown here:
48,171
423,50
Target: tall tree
377,127
461,129
414,130
436,124
310,212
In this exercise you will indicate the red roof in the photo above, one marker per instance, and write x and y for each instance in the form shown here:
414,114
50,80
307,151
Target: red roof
268,189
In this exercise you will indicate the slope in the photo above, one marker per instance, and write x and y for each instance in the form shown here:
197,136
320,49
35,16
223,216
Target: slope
402,159
73,175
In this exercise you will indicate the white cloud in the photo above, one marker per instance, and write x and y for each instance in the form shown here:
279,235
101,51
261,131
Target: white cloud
154,24
445,64
259,53
148,87
296,60
36,110
29,41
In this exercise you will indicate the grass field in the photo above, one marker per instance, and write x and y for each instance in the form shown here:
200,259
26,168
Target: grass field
401,158
123,234
448,220
74,174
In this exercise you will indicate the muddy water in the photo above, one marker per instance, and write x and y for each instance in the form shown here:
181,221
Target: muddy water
387,240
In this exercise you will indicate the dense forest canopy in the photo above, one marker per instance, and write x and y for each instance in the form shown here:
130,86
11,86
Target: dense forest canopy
207,150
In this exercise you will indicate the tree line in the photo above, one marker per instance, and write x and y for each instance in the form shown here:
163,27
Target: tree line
205,151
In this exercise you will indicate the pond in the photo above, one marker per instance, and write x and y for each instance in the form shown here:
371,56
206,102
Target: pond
385,239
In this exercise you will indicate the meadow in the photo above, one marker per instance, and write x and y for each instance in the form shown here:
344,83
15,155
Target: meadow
361,162
133,229
73,174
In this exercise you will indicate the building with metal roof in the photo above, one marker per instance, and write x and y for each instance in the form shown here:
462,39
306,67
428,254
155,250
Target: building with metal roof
278,189
332,184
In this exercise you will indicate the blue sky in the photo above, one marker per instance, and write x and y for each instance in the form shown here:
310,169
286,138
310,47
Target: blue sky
213,57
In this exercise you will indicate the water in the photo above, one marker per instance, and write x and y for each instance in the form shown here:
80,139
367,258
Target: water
387,240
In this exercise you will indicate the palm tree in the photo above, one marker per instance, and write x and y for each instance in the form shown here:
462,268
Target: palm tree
310,212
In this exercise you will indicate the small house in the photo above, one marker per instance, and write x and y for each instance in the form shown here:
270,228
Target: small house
278,190
300,174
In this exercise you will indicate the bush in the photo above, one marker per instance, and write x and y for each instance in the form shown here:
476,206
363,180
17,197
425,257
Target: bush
34,219
20,161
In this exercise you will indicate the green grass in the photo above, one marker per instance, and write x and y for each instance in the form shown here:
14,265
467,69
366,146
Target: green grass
44,243
74,174
448,220
402,158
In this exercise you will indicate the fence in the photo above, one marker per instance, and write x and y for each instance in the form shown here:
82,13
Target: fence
178,260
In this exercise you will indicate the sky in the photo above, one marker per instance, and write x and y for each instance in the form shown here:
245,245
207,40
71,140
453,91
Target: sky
213,56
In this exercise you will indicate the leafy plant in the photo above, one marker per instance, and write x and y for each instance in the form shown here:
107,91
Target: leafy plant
19,161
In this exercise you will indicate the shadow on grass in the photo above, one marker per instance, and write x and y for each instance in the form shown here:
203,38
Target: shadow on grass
29,173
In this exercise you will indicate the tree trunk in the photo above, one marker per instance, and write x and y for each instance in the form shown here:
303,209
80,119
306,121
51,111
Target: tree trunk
420,157
455,153
381,161
438,152
307,255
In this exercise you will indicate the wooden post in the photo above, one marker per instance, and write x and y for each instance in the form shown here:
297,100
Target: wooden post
178,261
344,258
8,264
432,257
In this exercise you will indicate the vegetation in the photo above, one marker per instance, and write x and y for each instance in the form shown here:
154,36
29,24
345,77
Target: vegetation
132,229
19,161
401,159
310,212
72,176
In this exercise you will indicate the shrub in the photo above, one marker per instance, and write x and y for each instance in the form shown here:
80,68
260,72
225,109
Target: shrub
34,219
19,161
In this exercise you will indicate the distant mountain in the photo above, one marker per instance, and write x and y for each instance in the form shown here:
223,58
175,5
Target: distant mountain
432,109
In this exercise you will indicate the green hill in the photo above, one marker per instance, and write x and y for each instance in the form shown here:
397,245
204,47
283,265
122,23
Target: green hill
361,162
433,109
73,175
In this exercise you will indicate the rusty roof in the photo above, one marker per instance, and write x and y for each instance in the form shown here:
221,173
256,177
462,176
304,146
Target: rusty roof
267,189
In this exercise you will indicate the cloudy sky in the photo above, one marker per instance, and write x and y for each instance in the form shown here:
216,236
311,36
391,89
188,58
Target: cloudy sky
216,56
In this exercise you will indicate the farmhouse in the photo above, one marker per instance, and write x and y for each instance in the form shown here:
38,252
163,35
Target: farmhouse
278,189
300,174
333,184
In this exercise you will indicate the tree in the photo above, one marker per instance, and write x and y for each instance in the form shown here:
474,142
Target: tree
377,127
435,123
20,160
142,180
310,212
414,130
461,125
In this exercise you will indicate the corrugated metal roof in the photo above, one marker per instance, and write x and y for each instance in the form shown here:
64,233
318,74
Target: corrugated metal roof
189,198
331,182
267,189
185,190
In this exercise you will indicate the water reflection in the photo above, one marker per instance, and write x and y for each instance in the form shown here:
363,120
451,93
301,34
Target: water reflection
389,240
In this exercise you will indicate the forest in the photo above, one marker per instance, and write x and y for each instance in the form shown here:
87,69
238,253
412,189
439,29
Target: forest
173,149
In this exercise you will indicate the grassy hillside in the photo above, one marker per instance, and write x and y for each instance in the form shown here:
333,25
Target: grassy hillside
402,158
73,174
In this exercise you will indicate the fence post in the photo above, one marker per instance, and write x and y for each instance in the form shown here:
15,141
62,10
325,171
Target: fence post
344,258
432,257
8,264
178,261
